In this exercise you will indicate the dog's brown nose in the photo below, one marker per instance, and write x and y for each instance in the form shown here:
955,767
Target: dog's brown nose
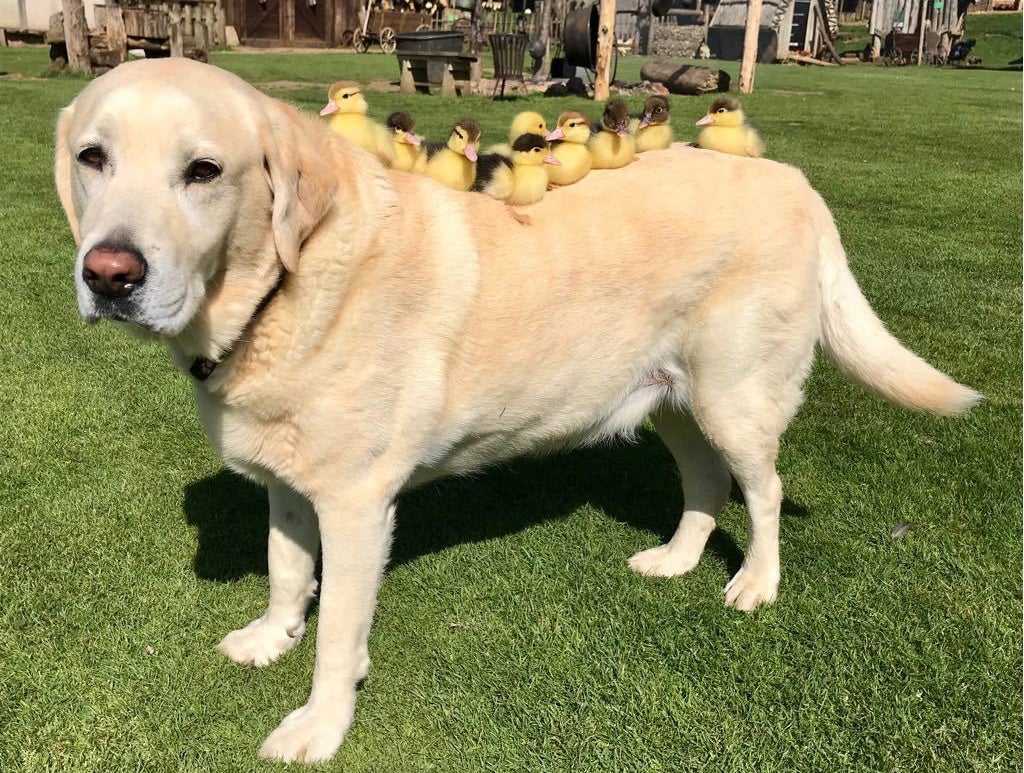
113,270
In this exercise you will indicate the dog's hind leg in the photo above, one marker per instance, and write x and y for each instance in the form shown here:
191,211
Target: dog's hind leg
744,419
292,547
706,483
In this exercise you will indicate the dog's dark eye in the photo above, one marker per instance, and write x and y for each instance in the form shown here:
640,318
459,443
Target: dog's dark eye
92,157
202,171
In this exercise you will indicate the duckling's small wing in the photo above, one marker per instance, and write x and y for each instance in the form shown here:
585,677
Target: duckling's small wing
486,167
753,144
433,148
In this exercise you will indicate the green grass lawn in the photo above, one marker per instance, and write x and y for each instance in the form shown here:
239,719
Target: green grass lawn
511,636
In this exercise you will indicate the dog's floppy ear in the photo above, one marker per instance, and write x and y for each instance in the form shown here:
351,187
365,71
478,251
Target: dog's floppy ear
63,164
301,181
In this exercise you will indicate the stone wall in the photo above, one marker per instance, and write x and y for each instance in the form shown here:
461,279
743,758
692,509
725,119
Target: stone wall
676,40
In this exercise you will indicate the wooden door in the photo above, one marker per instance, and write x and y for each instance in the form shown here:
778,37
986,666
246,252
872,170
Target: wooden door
311,19
262,19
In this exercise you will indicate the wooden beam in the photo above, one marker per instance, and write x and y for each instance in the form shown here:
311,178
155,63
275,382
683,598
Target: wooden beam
605,43
920,32
288,21
76,35
750,37
544,72
117,38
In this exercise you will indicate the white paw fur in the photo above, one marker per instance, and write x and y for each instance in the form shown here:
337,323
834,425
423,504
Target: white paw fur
260,642
664,561
309,734
748,590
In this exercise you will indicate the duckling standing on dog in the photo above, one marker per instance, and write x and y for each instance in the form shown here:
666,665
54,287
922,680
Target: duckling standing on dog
521,180
570,149
654,131
613,146
347,108
727,130
410,155
455,165
527,122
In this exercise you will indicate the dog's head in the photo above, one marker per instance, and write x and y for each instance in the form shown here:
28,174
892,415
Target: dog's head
170,169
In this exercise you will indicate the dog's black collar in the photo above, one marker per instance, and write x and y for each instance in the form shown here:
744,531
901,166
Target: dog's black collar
202,367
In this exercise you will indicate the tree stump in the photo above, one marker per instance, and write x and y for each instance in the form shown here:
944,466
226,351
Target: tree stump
687,79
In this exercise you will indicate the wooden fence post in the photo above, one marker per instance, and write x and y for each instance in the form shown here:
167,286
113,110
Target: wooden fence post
751,35
117,38
605,43
76,35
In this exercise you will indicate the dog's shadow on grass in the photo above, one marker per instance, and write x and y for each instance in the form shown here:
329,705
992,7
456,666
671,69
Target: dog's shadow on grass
636,484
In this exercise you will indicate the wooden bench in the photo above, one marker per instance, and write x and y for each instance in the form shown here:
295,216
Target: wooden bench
461,72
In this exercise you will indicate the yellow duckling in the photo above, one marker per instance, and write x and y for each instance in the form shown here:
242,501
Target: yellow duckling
727,130
654,131
410,155
527,122
613,146
571,151
347,108
521,180
455,164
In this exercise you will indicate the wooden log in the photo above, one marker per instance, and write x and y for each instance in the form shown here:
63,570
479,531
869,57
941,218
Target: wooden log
751,33
117,38
687,79
605,43
76,35
804,59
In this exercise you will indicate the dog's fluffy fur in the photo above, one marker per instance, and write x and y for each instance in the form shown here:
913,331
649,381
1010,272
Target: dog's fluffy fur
421,332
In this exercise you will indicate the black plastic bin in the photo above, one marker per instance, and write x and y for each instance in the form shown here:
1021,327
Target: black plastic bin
429,42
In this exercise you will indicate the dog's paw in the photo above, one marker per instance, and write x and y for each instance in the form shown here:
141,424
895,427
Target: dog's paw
664,561
260,642
308,734
748,590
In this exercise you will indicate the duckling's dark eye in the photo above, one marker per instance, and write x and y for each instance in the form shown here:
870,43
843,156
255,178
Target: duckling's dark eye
93,157
345,96
658,110
721,110
202,171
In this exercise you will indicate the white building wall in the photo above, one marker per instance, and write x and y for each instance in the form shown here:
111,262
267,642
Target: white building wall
35,14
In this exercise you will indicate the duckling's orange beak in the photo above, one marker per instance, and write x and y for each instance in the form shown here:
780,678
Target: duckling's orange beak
622,131
470,152
552,160
330,107
706,120
557,134
644,122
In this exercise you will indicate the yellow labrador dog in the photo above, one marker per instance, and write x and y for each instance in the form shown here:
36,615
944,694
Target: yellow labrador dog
352,332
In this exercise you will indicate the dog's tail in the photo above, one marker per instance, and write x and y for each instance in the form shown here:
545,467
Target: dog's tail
859,344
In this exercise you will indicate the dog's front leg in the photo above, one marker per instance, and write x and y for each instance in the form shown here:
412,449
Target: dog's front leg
355,531
292,547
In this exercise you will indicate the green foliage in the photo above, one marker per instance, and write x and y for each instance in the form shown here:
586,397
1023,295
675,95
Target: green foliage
511,636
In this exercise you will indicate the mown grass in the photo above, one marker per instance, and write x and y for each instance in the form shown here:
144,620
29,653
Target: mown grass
510,635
